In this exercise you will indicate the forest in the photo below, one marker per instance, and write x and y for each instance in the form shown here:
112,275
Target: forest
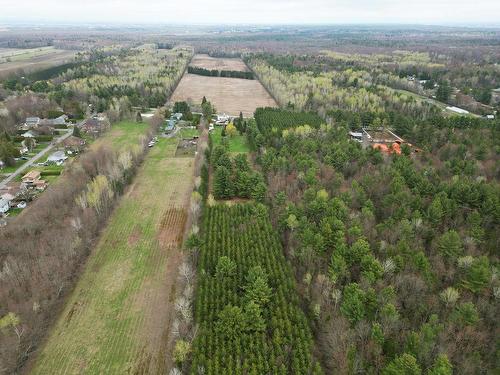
396,256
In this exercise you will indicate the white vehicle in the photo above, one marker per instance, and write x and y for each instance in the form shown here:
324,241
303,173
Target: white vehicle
151,144
21,205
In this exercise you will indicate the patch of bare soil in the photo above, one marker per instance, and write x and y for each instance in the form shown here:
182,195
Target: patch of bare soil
217,63
228,95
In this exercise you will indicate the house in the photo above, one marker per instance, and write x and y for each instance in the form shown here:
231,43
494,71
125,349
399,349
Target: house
29,134
32,122
57,157
30,177
4,206
490,117
356,136
74,144
32,180
222,119
177,116
40,185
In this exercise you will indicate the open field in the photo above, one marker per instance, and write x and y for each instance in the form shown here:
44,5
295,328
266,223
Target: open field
237,144
123,134
118,318
29,60
229,95
216,63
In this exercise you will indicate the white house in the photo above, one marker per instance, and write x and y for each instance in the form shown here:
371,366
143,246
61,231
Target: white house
490,117
4,206
356,136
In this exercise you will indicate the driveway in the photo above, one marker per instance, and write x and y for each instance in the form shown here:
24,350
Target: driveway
30,162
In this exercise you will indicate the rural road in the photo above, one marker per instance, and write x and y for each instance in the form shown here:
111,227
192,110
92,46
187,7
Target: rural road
30,162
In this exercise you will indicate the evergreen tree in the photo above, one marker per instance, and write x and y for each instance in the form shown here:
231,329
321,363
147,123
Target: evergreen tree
405,364
223,188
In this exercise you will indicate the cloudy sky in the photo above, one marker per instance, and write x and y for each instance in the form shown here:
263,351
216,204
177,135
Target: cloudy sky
444,12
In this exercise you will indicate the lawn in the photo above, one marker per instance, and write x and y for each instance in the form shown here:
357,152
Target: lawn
237,144
188,132
117,320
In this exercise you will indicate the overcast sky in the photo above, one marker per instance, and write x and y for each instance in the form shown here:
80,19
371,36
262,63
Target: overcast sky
443,12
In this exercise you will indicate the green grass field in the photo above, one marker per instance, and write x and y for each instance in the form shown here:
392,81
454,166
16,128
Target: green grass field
188,132
117,319
237,144
123,134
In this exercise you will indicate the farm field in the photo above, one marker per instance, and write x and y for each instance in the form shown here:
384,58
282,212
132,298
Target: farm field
33,59
228,95
118,318
216,63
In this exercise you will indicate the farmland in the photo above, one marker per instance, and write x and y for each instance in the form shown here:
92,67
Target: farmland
216,63
258,328
117,319
228,95
29,60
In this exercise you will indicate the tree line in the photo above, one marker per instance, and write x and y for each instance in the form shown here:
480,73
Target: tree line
220,73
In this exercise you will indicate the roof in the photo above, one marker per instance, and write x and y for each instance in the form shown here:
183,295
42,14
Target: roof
3,202
356,134
457,110
31,175
56,156
32,119
29,134
61,120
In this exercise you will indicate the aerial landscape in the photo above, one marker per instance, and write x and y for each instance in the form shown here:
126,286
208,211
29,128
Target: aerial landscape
261,188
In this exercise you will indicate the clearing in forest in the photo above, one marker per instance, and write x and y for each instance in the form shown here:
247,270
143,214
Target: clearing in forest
117,320
228,95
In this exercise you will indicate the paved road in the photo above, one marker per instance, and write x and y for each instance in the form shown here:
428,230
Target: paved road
30,162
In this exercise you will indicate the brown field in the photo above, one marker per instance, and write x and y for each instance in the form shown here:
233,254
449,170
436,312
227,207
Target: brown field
30,60
229,95
215,63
